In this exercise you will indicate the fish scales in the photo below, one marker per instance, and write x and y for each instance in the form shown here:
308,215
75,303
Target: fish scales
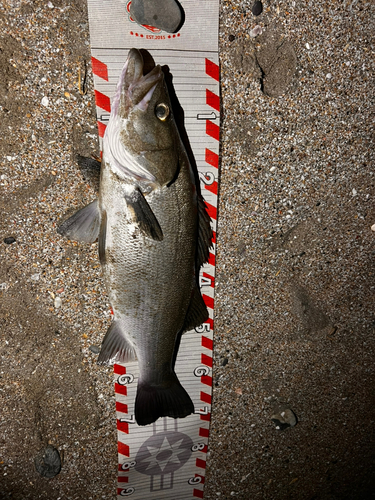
154,233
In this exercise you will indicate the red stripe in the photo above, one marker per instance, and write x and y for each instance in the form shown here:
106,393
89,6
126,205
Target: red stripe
209,301
123,449
121,407
208,343
212,130
211,260
212,100
121,389
197,493
119,370
212,187
206,379
200,463
206,360
212,158
202,478
99,68
206,418
206,398
123,479
103,101
210,322
212,70
204,433
123,427
101,129
211,210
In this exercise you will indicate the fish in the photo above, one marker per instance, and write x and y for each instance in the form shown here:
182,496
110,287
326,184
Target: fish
154,234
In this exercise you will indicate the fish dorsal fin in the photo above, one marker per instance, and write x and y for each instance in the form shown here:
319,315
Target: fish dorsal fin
83,226
143,215
197,311
204,233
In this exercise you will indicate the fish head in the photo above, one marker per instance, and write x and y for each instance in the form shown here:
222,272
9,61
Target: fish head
143,124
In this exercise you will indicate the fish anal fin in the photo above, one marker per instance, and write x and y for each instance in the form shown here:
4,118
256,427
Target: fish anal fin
167,399
197,311
83,226
143,215
115,346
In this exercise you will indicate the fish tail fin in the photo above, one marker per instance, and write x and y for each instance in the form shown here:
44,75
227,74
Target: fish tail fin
168,399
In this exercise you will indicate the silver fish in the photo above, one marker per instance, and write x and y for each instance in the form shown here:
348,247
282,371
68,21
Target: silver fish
154,235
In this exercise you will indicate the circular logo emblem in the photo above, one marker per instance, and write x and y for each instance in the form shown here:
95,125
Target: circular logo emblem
163,453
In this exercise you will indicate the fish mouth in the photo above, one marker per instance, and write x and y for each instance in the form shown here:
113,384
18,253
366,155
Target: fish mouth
134,88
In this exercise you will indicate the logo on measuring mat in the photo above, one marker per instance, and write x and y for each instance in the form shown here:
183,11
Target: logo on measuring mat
163,453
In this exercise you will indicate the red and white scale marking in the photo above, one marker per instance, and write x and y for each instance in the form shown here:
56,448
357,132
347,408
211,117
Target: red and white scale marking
167,459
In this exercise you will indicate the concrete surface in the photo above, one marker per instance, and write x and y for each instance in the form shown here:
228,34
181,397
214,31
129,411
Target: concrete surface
294,318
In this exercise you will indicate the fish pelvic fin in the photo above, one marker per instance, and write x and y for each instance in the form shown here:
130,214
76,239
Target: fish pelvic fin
197,311
115,346
167,399
83,226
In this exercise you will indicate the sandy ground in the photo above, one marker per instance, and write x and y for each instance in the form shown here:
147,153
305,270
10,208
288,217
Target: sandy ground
294,311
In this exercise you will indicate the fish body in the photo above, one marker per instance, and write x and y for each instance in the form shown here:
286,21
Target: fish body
153,233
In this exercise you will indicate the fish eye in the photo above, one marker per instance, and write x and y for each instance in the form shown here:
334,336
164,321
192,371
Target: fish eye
162,111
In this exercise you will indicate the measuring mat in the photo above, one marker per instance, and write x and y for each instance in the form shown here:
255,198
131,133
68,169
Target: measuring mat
166,460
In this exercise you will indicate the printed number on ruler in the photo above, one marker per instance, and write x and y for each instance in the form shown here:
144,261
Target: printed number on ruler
207,178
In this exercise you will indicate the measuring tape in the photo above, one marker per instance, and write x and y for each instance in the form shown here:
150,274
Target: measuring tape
167,459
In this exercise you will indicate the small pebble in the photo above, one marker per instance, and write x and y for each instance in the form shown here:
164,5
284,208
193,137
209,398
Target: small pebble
257,8
329,76
48,462
224,362
9,240
373,227
307,46
95,349
232,38
45,101
257,30
286,418
58,302
354,192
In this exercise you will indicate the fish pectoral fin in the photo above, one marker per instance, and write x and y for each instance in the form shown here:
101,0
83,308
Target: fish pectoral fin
115,346
204,233
197,311
143,215
102,237
83,226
